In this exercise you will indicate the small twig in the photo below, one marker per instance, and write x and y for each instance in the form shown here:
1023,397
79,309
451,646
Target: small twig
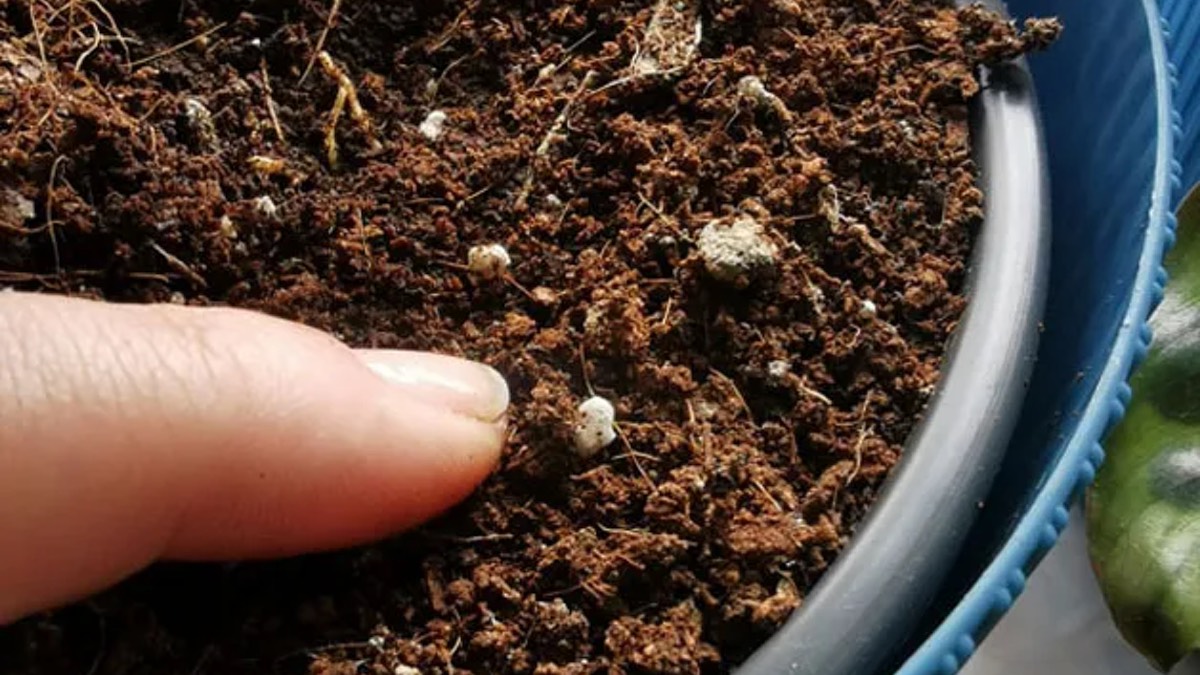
864,235
473,196
271,111
583,368
116,29
815,394
517,285
216,44
136,276
50,213
478,539
441,77
174,48
554,134
657,211
550,70
179,265
563,591
321,40
862,437
909,48
90,50
9,276
666,312
448,34
639,455
158,102
862,412
41,45
768,495
736,392
543,148
633,456
626,80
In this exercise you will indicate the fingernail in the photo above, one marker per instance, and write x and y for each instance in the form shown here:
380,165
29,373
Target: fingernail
465,387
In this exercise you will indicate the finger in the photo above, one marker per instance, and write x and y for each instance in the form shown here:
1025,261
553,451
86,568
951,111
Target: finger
133,433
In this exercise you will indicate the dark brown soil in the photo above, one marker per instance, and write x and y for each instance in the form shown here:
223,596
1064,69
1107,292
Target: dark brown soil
757,418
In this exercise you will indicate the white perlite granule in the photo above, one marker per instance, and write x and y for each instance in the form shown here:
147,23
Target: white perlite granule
488,261
595,429
434,125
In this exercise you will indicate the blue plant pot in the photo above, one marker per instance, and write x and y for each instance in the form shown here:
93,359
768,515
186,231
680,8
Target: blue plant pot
1119,99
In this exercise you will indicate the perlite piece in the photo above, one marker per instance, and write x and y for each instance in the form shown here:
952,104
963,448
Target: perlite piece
433,126
15,209
488,261
735,251
595,429
266,206
779,369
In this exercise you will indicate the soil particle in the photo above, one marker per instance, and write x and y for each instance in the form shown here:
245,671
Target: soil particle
156,151
736,252
669,646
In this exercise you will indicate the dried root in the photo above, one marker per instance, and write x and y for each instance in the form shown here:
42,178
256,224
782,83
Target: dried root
347,99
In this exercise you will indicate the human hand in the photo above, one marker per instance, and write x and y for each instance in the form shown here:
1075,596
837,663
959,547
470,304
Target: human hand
130,434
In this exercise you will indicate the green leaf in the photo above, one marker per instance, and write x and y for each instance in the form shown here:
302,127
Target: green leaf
1143,511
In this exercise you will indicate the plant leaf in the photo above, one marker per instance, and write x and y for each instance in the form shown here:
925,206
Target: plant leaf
1143,511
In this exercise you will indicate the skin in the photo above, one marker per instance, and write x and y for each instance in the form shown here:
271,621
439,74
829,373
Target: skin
131,434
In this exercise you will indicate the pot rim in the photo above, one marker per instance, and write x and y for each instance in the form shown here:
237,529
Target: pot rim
865,606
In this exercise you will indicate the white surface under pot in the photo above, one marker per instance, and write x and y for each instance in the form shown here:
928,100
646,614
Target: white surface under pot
1060,624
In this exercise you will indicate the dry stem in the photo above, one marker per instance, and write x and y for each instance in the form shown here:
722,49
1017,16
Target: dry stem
736,392
319,49
629,451
179,265
174,48
347,98
554,135
274,114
